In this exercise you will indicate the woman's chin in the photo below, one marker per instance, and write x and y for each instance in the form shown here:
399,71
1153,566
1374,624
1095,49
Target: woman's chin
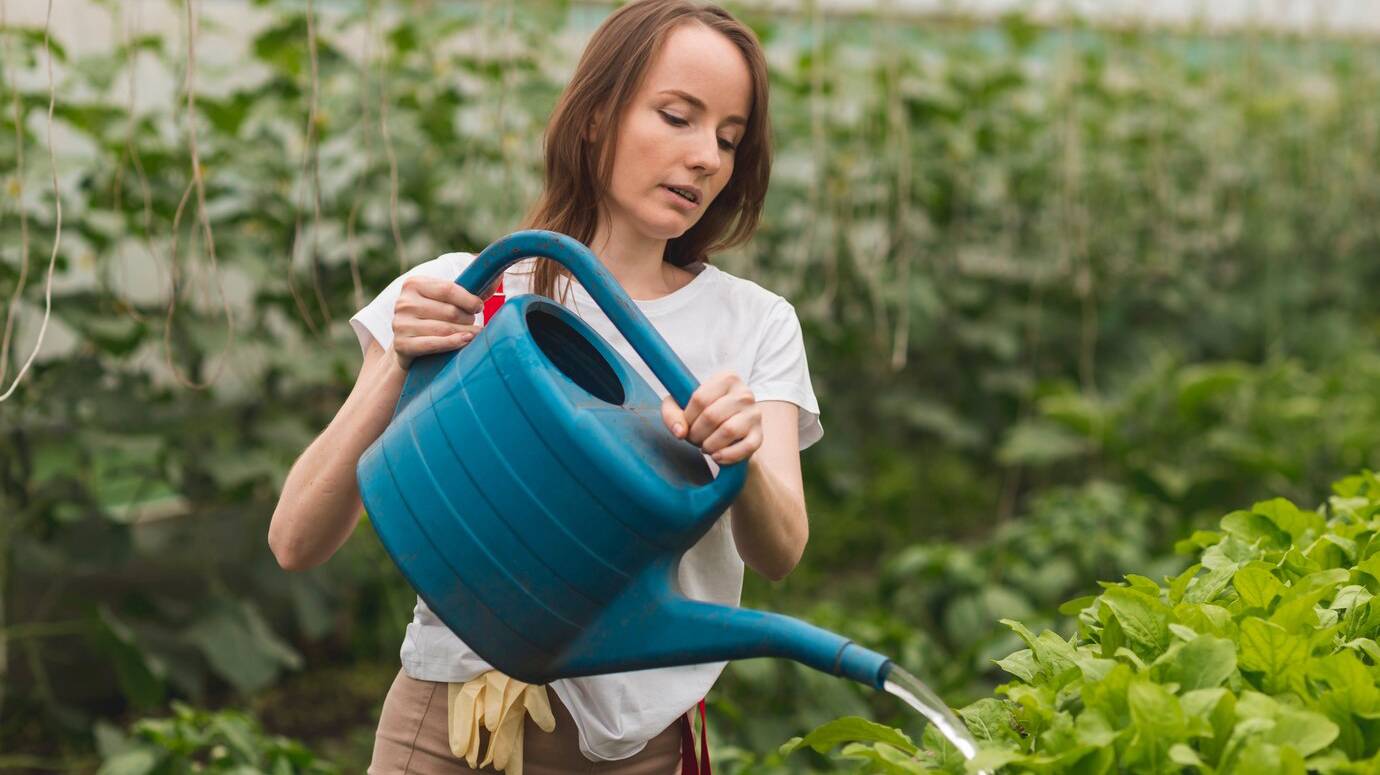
665,228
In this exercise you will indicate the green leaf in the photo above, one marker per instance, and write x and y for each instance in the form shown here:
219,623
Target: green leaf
1022,664
141,674
1255,529
1290,518
238,732
1350,598
1155,710
139,761
1179,584
1206,618
1366,646
1214,711
1052,659
1199,384
1269,649
1323,579
1144,619
1202,663
1337,550
1370,566
992,760
1197,541
850,729
884,757
1092,729
1184,756
1229,554
240,646
1304,731
1038,443
1207,587
1143,584
1353,685
1076,605
990,721
1260,756
1108,696
1298,612
1159,723
1257,586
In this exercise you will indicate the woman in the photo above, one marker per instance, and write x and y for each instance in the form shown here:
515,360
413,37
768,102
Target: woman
657,156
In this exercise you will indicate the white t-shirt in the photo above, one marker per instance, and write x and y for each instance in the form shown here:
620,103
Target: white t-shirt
715,322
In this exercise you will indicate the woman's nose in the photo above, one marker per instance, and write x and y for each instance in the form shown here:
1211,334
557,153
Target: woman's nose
704,154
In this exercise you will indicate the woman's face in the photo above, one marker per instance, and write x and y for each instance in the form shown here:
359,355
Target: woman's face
679,132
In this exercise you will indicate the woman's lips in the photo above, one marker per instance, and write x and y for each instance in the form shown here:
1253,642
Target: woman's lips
678,200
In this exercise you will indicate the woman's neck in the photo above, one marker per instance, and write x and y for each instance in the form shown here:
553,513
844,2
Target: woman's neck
636,262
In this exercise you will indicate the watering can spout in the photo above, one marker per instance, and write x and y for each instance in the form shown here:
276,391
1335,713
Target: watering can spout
675,630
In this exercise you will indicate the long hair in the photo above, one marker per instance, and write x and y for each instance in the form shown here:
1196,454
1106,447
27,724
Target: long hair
579,170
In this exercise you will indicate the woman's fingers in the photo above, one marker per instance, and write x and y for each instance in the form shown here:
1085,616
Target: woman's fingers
443,290
725,406
740,450
408,348
731,430
423,308
413,327
415,346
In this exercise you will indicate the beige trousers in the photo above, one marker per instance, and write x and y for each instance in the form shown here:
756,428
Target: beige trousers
412,739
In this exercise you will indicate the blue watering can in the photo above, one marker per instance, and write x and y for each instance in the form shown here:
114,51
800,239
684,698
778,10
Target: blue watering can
530,492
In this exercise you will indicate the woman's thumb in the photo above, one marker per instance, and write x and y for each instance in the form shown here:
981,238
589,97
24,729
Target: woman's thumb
674,417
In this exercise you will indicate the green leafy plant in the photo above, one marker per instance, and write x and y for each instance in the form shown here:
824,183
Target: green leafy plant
1262,656
195,740
1188,435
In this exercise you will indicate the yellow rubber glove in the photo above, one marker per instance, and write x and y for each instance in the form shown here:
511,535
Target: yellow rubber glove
465,712
501,704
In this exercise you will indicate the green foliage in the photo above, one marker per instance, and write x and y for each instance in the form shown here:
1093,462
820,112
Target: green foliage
882,748
1065,292
1186,435
195,740
1260,656
935,606
1024,571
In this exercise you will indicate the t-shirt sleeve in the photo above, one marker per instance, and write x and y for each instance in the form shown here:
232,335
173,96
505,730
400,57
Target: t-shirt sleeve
780,371
374,322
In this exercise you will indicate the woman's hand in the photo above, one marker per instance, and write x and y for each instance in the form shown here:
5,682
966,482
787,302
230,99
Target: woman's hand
432,315
722,419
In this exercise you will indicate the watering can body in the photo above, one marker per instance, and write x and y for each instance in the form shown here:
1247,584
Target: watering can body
529,491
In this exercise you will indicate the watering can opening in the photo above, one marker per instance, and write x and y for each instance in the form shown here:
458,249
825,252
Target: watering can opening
574,355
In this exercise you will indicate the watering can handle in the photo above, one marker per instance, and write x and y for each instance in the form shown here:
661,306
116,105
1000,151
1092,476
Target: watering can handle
488,267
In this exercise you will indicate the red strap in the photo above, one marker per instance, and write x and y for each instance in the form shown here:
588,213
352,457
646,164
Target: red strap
495,301
689,765
704,742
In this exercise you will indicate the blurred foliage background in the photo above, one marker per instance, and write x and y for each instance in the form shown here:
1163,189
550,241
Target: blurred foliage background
1068,292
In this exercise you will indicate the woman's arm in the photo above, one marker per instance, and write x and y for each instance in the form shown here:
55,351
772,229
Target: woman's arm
725,420
320,504
770,526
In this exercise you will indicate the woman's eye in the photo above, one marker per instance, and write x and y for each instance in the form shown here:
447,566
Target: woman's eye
727,145
672,119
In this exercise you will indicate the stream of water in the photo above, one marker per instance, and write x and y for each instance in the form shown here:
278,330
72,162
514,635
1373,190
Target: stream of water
919,696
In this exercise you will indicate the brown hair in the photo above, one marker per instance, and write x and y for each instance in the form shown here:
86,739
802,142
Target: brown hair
609,73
